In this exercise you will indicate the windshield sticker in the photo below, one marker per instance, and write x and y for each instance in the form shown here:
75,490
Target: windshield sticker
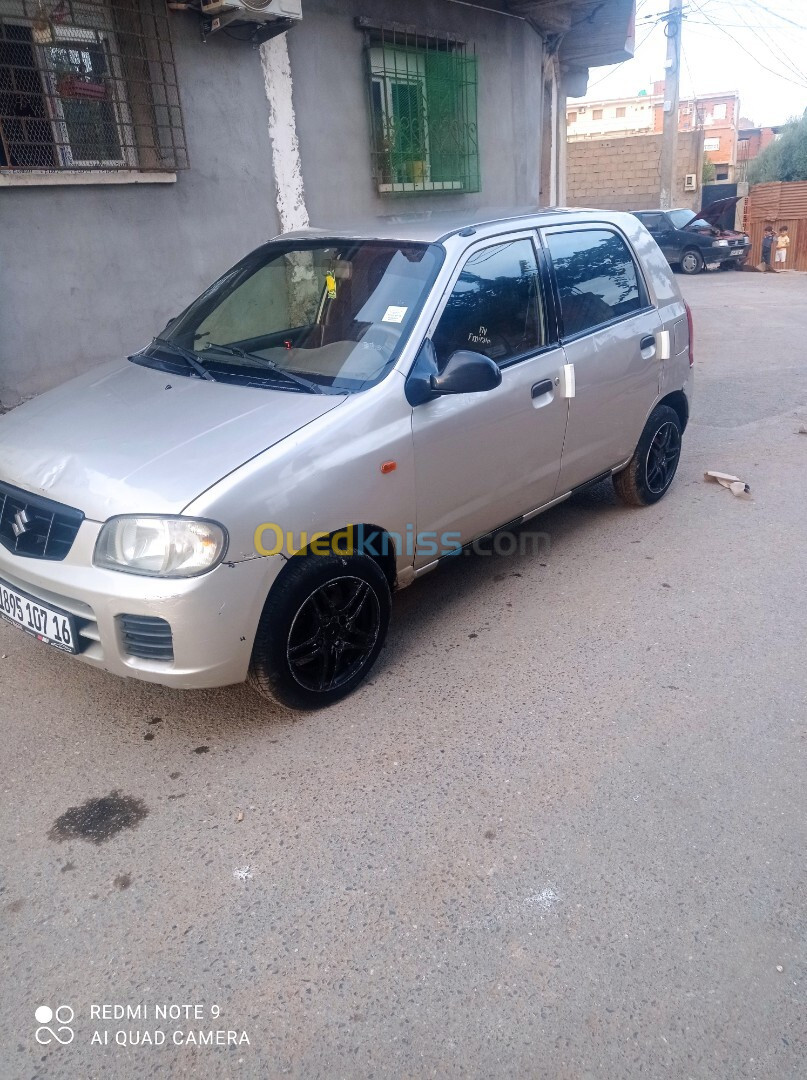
394,314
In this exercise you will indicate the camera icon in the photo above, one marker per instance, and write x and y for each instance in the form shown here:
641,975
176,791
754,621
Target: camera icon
63,1017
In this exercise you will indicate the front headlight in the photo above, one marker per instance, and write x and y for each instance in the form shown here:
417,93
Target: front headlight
720,243
173,547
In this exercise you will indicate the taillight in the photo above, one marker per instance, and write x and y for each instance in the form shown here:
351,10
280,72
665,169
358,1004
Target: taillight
691,335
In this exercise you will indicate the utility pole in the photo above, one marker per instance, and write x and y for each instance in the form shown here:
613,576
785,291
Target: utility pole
669,139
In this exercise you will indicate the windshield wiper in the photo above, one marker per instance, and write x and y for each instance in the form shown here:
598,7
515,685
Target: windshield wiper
264,361
189,357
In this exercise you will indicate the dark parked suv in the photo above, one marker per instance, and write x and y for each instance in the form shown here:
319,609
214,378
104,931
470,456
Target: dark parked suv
692,241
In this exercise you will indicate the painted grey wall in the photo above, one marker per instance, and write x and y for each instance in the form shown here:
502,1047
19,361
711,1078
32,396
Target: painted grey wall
330,100
88,273
92,272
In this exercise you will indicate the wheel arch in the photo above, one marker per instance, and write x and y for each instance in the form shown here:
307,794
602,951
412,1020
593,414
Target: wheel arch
677,400
380,545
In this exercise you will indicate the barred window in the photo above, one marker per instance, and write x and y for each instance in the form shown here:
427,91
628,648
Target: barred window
423,104
89,84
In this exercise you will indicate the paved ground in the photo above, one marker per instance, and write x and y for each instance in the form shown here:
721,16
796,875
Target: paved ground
561,834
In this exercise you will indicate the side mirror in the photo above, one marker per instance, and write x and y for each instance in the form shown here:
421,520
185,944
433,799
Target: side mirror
467,372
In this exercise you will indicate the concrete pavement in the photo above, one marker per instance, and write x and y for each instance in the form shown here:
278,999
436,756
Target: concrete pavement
560,833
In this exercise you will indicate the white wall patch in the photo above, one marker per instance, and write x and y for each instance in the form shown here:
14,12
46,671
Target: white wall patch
286,163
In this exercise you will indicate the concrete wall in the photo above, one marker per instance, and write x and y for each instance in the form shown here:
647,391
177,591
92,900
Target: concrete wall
330,99
623,174
88,273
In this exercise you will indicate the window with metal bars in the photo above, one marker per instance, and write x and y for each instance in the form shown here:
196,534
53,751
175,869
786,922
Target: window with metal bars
423,111
88,84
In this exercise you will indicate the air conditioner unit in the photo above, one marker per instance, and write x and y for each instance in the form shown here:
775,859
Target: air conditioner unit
691,182
253,10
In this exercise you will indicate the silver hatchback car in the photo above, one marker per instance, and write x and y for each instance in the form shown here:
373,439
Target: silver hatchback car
328,421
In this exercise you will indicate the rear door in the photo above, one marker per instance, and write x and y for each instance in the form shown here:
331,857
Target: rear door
483,459
609,331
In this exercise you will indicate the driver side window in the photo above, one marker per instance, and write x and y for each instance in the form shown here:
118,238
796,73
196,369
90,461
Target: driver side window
495,307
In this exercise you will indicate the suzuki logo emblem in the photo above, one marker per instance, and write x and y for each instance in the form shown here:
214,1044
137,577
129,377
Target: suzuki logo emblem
21,523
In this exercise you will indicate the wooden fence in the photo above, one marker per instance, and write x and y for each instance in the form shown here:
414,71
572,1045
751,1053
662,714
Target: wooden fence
778,204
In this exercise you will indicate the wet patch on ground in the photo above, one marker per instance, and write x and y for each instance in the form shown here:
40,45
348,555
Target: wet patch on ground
98,820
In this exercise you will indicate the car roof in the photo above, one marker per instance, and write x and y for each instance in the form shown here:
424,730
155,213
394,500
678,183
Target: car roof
431,227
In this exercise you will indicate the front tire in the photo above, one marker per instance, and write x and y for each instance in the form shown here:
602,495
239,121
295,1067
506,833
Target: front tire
691,262
649,473
322,628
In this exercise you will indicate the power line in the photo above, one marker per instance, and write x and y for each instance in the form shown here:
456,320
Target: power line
786,60
776,14
739,44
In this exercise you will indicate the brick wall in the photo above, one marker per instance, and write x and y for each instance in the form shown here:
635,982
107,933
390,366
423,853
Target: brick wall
623,173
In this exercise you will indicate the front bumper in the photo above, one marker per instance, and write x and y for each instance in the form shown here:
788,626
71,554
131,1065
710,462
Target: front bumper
213,618
721,255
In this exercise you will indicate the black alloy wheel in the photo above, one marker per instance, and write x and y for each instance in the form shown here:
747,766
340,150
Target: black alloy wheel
648,475
662,458
322,627
333,634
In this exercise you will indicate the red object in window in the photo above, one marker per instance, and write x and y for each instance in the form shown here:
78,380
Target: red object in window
74,86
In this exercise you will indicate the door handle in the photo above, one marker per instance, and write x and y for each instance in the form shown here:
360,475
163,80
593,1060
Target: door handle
647,342
542,388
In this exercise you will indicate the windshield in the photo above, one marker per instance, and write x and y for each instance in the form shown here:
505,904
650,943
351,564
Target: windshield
680,218
332,314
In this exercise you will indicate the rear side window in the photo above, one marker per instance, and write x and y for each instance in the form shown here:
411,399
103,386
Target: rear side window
495,306
653,222
596,277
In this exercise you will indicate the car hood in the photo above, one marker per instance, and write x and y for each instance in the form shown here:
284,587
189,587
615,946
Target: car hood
130,439
715,212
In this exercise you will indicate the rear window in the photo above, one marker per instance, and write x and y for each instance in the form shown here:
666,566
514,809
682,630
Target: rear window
596,278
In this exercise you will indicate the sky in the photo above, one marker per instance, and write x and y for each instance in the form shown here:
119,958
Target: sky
757,47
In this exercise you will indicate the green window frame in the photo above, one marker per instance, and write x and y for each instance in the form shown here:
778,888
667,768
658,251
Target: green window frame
423,94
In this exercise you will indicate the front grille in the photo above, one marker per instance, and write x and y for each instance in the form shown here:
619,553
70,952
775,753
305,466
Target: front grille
147,637
36,528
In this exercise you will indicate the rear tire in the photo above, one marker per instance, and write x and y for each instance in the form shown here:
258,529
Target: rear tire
649,473
323,625
691,262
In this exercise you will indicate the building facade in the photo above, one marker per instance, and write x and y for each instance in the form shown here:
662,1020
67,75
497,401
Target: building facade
751,141
716,115
145,147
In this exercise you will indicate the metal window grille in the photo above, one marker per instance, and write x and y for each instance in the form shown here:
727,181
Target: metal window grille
423,111
88,85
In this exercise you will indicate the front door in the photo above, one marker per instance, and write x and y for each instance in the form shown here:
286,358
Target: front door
660,228
483,459
610,338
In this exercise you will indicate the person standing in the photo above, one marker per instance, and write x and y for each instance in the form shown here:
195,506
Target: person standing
782,244
767,249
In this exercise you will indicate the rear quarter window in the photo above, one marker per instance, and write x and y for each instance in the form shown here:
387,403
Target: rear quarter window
596,278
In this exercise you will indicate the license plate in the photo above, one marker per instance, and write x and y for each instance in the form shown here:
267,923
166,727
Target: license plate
43,622
739,251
